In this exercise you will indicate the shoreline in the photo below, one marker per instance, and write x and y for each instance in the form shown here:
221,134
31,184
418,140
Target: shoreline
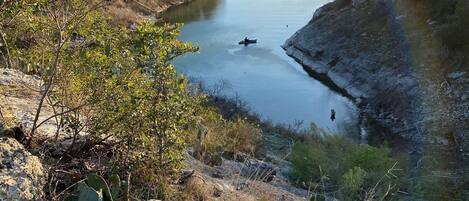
366,121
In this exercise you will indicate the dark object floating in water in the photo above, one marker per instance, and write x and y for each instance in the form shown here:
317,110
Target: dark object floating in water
247,42
332,115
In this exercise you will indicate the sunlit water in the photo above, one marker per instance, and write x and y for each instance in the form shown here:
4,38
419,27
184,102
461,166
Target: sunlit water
271,83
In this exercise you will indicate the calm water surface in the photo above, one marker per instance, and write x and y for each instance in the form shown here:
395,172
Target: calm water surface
271,83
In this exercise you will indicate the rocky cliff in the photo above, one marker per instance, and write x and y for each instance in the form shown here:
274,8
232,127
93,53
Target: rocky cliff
359,53
386,55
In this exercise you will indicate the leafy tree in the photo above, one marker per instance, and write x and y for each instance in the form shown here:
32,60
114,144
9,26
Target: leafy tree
106,84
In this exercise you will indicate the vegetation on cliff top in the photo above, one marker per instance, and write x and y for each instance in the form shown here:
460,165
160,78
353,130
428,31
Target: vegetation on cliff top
451,17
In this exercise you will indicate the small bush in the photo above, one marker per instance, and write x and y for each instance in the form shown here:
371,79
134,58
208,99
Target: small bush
351,169
454,32
451,17
241,136
354,179
214,134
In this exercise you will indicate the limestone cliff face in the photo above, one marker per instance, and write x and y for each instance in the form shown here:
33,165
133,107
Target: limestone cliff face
384,55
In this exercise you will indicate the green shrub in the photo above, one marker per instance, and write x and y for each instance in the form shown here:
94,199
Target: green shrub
352,170
454,32
451,17
112,83
353,182
354,179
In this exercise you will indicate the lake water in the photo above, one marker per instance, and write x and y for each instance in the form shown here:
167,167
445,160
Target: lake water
271,83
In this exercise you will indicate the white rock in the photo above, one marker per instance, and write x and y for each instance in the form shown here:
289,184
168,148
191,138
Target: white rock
22,176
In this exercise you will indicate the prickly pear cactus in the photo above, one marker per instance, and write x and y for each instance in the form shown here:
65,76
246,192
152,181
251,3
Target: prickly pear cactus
97,189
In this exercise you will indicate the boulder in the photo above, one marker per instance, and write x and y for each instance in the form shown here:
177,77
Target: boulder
22,176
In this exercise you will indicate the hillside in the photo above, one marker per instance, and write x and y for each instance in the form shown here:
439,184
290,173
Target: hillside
129,11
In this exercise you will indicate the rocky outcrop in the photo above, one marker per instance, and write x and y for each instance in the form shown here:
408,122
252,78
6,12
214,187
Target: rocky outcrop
353,49
22,176
385,57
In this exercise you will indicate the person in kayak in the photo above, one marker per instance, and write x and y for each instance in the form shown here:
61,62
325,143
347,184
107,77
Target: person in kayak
246,40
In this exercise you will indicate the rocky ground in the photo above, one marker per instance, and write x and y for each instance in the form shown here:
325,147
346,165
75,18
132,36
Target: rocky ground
19,97
22,175
246,180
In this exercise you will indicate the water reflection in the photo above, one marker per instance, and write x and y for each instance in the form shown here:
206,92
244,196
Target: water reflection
271,83
193,11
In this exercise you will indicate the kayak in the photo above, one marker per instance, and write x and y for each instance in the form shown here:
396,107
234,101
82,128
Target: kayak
247,42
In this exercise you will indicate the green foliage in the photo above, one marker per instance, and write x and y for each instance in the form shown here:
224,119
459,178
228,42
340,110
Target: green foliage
351,169
456,28
97,189
353,180
89,194
112,83
451,17
147,106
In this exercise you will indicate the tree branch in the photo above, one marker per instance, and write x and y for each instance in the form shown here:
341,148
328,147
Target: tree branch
61,113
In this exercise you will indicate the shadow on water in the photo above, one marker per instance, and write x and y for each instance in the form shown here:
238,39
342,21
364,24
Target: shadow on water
193,11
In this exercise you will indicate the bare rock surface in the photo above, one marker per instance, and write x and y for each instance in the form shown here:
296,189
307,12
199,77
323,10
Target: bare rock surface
19,99
22,175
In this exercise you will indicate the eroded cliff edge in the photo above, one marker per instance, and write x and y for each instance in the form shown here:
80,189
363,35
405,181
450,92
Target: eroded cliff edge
386,55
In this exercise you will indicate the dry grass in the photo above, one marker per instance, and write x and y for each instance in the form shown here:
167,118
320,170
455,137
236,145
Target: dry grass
122,13
243,136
